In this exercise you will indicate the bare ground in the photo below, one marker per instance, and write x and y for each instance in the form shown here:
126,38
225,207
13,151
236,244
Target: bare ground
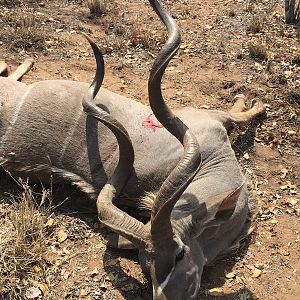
228,47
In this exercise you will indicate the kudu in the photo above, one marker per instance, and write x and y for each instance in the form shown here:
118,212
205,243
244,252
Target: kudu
202,206
198,209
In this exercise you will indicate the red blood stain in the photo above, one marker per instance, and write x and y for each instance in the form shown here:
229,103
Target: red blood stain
148,123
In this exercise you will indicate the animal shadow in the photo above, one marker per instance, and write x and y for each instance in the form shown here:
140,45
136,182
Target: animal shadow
243,141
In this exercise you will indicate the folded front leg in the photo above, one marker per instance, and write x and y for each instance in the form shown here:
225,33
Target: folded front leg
22,69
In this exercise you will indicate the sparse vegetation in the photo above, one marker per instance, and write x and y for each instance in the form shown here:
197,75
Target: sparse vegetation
28,33
23,243
255,25
120,36
10,3
139,35
23,30
97,7
257,51
296,58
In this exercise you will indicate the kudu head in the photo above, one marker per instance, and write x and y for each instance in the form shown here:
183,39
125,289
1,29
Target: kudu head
168,250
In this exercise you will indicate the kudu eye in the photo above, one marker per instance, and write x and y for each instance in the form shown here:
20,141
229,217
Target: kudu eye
179,256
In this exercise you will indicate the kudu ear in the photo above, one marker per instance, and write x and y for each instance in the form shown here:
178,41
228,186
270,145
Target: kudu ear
209,219
226,208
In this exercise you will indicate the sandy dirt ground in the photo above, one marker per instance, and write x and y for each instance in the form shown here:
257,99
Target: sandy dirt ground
228,47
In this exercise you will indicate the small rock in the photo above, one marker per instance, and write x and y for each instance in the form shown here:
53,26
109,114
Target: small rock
246,156
33,292
83,293
293,201
94,272
256,273
230,275
215,292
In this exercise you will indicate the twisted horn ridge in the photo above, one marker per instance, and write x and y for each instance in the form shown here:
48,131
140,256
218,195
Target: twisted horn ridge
184,172
109,214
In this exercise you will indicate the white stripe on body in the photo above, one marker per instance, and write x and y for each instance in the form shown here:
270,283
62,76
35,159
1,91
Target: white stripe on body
14,117
70,134
82,157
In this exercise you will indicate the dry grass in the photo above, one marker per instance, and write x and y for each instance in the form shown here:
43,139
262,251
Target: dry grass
24,30
28,32
97,7
23,243
10,3
123,34
296,58
139,35
255,25
257,51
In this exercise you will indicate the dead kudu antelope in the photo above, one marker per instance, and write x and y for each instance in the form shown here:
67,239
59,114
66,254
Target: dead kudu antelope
200,202
201,207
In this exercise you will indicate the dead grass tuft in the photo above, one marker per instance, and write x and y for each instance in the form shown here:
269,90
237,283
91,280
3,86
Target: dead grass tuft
255,25
28,33
24,30
10,3
139,36
97,7
296,58
135,34
23,243
257,51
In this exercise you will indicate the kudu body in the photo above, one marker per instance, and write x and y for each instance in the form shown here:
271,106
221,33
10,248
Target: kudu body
202,206
45,132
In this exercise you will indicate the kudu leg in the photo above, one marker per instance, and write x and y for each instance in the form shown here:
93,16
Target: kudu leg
3,67
243,118
22,69
237,115
239,104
